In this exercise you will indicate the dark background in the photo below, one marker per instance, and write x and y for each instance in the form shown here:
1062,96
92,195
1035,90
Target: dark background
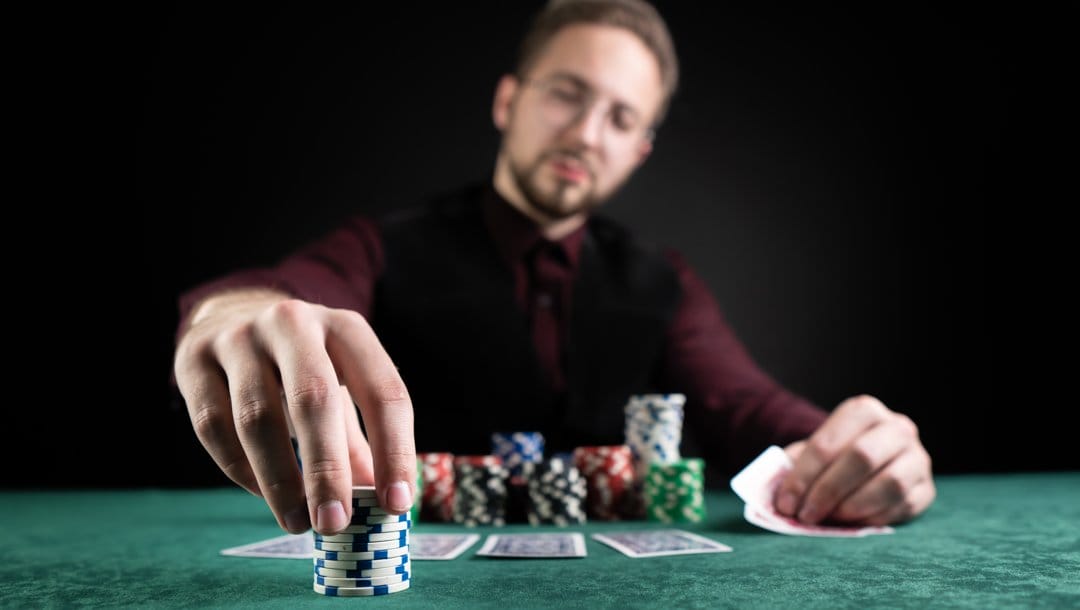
835,175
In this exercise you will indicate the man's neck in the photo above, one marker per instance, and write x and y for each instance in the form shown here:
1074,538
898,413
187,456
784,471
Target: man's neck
553,229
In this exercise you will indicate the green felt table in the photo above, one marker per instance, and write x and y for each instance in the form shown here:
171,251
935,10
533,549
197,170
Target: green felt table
989,541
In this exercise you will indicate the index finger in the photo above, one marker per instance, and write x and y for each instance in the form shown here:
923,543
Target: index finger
385,406
850,419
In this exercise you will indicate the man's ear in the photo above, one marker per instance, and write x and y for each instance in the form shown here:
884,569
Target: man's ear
645,148
504,98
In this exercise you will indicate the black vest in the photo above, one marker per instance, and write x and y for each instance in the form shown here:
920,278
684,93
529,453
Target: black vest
445,312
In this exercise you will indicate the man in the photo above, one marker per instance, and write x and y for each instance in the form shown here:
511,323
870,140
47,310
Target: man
511,306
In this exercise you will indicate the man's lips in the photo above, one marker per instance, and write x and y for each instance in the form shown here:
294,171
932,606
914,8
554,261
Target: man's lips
569,170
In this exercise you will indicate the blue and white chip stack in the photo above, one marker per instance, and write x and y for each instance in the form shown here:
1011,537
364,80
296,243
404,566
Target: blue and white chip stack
654,429
370,557
517,449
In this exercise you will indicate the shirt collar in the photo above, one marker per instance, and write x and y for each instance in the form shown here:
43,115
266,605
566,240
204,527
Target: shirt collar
515,234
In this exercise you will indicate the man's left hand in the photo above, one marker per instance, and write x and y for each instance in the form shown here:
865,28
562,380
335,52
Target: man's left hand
865,465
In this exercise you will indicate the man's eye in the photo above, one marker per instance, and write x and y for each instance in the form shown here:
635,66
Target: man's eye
622,121
568,96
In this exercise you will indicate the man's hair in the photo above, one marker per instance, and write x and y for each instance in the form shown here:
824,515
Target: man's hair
637,16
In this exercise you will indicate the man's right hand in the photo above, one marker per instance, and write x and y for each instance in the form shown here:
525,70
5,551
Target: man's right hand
253,361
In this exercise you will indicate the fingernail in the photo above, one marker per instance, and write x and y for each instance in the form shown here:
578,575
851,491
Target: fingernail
808,514
331,517
297,520
398,497
786,503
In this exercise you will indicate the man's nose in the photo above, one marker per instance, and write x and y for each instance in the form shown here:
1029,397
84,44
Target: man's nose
588,126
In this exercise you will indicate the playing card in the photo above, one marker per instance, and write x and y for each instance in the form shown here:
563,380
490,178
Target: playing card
440,546
300,546
771,520
756,484
289,546
657,543
571,544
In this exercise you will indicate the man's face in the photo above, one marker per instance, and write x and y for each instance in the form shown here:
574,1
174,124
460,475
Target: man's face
577,125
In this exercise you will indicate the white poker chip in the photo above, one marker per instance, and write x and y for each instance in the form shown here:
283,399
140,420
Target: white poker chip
361,555
363,491
362,540
361,591
369,528
373,519
363,547
336,573
359,564
360,582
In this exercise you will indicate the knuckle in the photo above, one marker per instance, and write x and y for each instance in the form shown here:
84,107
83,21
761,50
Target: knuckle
326,472
209,423
189,354
290,312
400,465
895,487
311,392
863,454
239,334
237,469
390,390
352,320
866,403
907,425
907,508
276,488
821,448
253,413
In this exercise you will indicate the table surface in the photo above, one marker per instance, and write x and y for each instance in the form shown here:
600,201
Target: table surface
989,541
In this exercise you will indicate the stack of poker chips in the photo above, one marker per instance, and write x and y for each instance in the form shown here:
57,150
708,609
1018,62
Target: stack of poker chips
517,451
556,493
438,496
654,429
480,490
653,433
369,557
675,492
609,475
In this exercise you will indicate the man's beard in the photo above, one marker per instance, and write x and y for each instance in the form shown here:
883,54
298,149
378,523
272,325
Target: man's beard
552,204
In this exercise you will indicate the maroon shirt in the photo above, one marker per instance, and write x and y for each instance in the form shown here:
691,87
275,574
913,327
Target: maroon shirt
738,407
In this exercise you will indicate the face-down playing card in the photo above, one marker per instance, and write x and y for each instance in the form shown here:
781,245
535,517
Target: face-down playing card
756,484
658,543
